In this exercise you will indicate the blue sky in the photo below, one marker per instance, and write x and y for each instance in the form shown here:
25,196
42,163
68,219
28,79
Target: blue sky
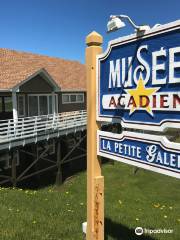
59,27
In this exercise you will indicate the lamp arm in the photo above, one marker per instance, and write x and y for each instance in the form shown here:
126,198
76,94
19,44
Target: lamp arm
138,28
130,20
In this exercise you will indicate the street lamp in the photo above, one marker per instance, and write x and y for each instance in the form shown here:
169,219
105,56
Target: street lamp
116,22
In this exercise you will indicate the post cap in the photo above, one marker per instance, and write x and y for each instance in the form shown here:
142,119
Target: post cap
94,38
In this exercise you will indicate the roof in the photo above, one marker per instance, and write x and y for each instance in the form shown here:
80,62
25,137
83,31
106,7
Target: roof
16,67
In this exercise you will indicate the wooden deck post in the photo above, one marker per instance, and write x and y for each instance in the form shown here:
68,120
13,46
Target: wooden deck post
59,167
14,103
13,168
95,182
36,168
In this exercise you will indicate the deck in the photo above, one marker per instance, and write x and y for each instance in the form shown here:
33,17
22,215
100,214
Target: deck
33,129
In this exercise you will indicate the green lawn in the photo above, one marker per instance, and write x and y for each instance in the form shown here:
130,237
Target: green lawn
145,199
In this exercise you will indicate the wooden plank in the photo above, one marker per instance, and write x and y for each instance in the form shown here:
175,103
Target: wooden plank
99,207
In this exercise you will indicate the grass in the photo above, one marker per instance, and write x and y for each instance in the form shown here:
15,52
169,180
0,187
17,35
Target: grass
145,199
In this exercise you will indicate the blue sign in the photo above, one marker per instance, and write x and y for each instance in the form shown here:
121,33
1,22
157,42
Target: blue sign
146,151
138,80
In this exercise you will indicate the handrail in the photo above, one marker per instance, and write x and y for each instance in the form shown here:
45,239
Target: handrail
22,128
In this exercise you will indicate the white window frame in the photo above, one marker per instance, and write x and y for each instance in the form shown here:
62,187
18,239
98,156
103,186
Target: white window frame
64,102
47,95
81,94
69,95
24,112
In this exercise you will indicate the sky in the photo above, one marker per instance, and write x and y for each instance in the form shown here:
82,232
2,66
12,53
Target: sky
59,28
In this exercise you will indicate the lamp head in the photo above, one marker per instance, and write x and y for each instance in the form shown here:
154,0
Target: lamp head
114,23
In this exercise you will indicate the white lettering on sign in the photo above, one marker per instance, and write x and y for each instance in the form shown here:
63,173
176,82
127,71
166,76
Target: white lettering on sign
158,67
114,74
173,65
128,150
143,67
164,158
106,145
120,75
152,152
127,81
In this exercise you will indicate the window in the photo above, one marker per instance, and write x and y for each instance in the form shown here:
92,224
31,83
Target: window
21,106
1,104
33,105
41,104
50,105
65,98
80,97
5,104
8,104
56,103
72,98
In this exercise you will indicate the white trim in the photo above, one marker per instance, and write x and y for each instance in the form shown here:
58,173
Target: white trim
139,137
97,88
140,125
121,41
43,73
74,90
14,103
70,94
5,90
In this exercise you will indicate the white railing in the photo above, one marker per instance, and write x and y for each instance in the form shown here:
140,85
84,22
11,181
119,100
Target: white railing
22,128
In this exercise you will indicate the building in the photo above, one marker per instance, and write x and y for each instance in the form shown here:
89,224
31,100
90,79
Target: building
30,82
41,99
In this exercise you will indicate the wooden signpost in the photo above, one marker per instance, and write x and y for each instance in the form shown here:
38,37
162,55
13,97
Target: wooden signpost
135,82
95,182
